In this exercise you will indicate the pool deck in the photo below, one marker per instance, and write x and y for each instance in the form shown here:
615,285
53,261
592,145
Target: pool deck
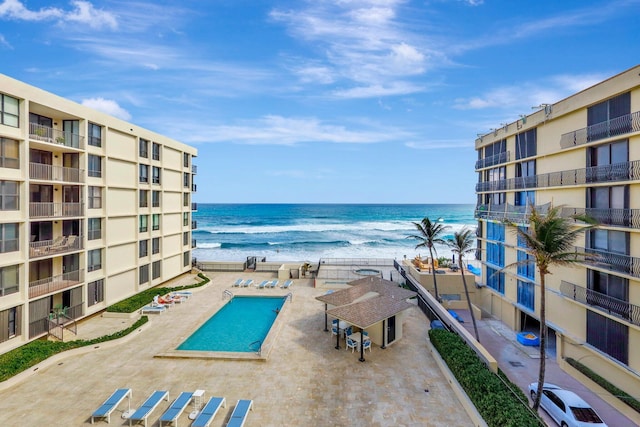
304,380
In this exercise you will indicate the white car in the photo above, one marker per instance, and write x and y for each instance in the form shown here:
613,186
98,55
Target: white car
565,407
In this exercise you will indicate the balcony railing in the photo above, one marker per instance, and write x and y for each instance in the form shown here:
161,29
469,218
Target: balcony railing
517,214
194,225
194,206
55,283
54,136
602,302
615,127
55,173
493,160
193,243
194,188
54,210
611,216
194,169
620,263
625,171
57,246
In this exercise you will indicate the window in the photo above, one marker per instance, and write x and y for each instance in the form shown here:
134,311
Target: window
526,266
608,336
600,117
526,294
156,151
185,238
186,258
609,241
143,274
143,248
155,245
144,173
495,280
95,135
526,145
610,286
495,231
601,159
95,197
185,199
185,219
144,198
144,148
155,199
155,221
9,280
156,175
95,292
94,260
9,196
95,229
525,198
9,153
155,269
95,166
185,159
144,223
9,111
186,179
9,237
495,254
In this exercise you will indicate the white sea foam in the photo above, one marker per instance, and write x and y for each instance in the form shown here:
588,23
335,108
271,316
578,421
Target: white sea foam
399,226
208,245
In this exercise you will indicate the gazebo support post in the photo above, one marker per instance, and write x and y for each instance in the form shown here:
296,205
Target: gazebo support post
338,335
384,335
361,346
325,318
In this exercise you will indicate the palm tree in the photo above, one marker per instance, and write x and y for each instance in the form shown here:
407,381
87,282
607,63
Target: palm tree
549,240
429,234
462,244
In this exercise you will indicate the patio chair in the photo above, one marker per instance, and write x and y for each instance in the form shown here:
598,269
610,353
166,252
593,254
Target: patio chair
273,284
262,284
171,415
352,344
208,413
155,309
286,284
240,412
237,283
366,345
142,413
109,405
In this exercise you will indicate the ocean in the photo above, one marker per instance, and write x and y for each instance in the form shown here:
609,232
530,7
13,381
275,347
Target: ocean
309,232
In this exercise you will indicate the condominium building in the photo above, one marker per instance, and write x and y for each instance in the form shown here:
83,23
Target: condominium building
581,154
92,210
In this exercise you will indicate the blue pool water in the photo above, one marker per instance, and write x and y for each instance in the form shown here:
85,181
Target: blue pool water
241,325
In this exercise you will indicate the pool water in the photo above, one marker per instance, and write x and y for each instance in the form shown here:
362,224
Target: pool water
367,271
241,325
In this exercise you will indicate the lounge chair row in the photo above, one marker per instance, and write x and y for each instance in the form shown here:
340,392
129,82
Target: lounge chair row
170,416
241,283
160,303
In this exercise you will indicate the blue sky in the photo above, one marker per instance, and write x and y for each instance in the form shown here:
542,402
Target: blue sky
339,101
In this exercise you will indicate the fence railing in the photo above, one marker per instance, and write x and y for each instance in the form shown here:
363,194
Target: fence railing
54,136
612,216
55,173
57,246
52,210
493,160
55,283
601,302
621,263
614,127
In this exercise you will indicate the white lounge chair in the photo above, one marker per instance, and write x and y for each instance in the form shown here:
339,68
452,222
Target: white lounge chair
273,284
109,405
286,284
155,309
247,283
142,413
240,412
171,415
208,413
262,284
237,283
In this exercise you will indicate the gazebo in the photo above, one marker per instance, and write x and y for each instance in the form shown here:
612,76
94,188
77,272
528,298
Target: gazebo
369,303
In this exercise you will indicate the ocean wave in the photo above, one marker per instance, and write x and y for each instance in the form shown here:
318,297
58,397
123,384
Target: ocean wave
208,245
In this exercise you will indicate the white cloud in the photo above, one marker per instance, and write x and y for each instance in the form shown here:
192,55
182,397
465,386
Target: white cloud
4,42
439,144
394,88
82,12
107,106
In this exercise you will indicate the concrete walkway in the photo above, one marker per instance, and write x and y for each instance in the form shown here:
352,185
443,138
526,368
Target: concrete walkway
521,364
304,381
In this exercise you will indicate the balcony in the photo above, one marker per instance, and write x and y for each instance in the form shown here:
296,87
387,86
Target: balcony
611,216
55,283
626,124
620,263
194,188
54,210
54,136
194,206
44,172
194,169
508,212
602,302
493,160
59,245
194,225
625,171
193,243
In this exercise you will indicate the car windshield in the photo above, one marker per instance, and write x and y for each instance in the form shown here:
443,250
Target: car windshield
585,415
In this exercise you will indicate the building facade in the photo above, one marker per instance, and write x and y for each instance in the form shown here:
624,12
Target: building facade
92,210
582,154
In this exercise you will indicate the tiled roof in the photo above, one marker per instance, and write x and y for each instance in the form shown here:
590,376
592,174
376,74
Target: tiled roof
369,312
363,286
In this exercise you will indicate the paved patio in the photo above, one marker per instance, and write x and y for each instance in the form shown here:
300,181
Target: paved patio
305,380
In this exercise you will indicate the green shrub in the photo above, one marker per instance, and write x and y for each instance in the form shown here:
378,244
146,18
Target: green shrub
499,402
620,394
30,354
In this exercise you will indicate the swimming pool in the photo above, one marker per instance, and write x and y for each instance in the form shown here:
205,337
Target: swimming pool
241,325
367,272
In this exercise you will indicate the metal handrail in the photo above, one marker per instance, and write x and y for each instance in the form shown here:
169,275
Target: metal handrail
493,160
54,136
46,172
608,216
621,263
601,302
619,126
289,297
227,293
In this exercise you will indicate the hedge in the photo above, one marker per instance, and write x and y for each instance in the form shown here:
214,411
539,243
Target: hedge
22,358
499,402
620,394
137,301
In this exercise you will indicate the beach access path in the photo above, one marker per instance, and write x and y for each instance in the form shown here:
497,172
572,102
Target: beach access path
304,381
